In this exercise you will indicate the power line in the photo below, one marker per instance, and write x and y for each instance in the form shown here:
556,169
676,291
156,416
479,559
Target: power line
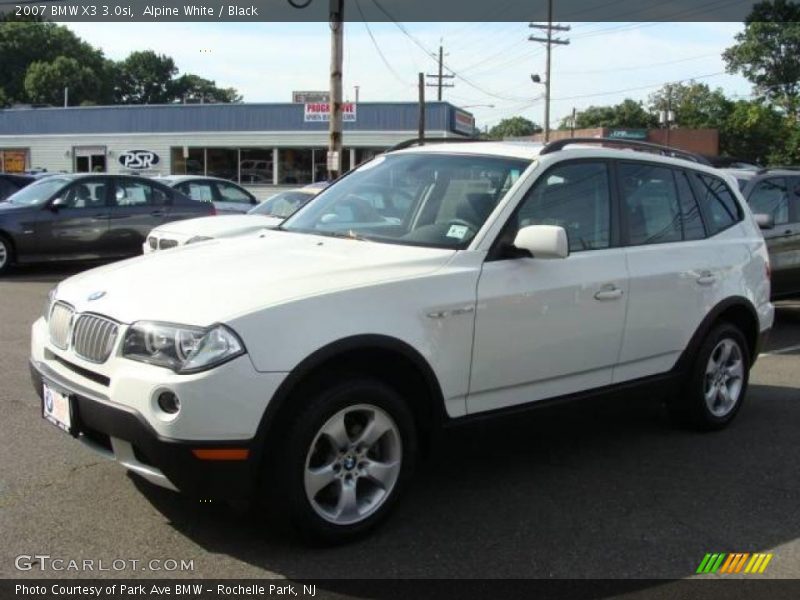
378,48
420,45
638,67
643,87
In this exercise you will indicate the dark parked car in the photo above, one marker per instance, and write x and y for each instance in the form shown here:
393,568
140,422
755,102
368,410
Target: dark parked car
11,184
227,197
66,217
776,192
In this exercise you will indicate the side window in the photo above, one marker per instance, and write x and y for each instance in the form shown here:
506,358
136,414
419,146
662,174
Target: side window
197,190
693,228
138,193
231,193
576,197
650,204
86,194
771,197
718,203
6,189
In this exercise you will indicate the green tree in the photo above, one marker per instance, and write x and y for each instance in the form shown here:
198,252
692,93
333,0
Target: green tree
753,131
23,43
513,127
146,78
194,89
767,53
695,104
45,81
627,113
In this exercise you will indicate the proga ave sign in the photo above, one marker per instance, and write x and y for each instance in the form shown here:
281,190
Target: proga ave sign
138,159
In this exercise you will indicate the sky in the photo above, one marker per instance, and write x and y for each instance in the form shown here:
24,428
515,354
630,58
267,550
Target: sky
603,64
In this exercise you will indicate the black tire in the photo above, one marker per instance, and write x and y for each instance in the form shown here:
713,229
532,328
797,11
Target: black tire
690,407
283,483
6,254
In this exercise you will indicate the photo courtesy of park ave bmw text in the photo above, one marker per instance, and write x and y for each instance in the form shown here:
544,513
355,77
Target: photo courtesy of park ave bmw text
382,299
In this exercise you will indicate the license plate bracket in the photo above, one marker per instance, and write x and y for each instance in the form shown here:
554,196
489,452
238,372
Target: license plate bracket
58,408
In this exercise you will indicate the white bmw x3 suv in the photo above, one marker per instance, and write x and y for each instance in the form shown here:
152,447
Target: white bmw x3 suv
307,365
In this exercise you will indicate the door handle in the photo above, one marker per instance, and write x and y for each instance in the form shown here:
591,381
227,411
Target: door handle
99,217
608,292
706,278
157,213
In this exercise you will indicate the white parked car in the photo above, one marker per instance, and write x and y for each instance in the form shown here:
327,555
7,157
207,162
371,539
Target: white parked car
266,215
308,365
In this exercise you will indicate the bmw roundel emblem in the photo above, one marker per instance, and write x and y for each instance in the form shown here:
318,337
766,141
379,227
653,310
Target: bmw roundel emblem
48,400
96,296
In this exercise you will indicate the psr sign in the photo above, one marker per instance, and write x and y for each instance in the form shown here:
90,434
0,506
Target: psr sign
138,159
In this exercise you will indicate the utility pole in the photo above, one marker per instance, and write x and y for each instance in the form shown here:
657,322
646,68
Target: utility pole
357,87
66,97
440,77
549,42
572,121
337,59
421,133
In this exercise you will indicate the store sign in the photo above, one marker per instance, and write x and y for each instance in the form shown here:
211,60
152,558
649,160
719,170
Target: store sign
138,159
307,97
320,112
628,134
464,122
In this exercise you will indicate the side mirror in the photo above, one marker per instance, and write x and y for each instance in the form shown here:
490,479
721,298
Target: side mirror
58,203
765,221
543,241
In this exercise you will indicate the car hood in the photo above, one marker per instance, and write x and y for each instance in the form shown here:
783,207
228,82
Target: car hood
216,281
7,207
217,226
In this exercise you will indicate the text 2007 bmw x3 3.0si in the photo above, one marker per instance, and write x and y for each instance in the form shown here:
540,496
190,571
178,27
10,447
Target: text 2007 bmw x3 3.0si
306,366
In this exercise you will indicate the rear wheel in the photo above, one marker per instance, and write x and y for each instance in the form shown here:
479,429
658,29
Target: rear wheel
346,457
715,391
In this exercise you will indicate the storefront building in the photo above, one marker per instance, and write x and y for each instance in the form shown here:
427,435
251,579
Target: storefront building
254,144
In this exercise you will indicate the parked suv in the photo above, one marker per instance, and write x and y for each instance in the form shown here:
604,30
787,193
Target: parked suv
308,365
776,193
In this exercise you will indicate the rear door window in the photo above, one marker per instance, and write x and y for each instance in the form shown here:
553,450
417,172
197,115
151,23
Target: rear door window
133,193
650,204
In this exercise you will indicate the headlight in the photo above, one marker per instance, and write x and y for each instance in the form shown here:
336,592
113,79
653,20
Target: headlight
199,238
51,296
182,348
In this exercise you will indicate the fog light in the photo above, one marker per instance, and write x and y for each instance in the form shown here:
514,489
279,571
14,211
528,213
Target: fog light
169,403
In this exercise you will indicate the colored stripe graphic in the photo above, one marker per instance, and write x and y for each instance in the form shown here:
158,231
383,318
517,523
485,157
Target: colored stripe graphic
735,562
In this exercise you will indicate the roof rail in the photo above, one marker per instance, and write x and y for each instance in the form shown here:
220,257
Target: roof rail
417,142
557,145
778,168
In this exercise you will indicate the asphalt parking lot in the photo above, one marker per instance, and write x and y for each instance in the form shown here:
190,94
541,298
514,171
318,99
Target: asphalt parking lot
608,491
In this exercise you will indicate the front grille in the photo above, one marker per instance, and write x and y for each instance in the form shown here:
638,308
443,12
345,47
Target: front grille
153,242
93,337
60,324
167,244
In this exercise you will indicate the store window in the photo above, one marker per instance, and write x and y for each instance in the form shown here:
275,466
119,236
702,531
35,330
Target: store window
365,154
192,163
255,166
223,163
295,166
89,159
13,160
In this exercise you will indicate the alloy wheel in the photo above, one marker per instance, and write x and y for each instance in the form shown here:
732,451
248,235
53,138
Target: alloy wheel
724,378
353,464
3,254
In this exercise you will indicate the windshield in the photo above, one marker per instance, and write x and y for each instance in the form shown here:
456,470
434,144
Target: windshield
424,199
38,192
282,205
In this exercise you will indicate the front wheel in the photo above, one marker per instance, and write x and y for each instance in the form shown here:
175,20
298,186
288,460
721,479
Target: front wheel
5,254
715,391
346,457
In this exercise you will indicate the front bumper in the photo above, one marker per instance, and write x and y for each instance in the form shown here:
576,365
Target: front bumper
122,434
